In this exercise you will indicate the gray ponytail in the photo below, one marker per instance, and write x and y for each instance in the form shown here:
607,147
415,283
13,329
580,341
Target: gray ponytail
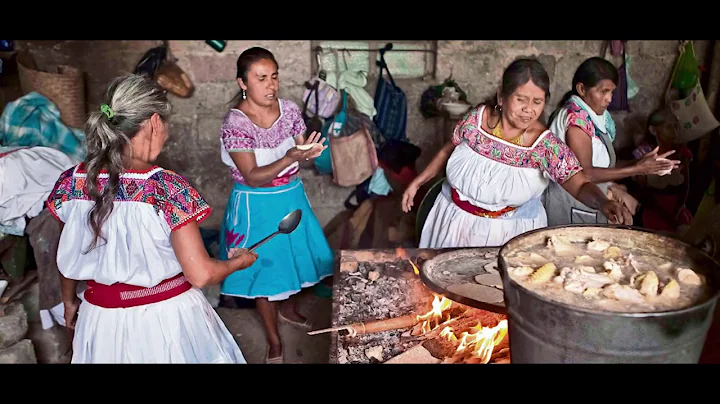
130,101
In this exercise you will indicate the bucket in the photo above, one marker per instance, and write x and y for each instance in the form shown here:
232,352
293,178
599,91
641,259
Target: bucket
546,331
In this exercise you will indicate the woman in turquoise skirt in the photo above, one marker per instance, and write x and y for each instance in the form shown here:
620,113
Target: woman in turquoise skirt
260,137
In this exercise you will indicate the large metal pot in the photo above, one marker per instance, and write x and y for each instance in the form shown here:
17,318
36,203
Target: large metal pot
545,331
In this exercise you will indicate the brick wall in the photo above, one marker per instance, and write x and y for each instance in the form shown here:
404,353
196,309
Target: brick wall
194,148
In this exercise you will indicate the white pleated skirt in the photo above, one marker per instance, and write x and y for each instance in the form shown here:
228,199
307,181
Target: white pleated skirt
183,329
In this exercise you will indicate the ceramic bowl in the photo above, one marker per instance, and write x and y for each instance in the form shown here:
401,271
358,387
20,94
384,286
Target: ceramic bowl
456,108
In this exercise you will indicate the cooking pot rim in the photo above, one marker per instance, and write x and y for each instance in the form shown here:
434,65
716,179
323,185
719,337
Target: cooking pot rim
503,265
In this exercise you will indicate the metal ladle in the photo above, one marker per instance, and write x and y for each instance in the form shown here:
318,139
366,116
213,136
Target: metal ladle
287,225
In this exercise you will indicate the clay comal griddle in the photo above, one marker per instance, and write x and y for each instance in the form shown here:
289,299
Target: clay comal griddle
467,276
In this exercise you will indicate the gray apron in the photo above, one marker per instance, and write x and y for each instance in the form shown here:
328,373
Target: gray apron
563,209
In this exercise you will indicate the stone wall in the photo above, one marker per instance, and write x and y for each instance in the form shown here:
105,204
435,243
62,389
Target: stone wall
477,66
15,347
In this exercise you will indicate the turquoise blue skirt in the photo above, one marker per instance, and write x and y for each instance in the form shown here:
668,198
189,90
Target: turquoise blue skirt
288,262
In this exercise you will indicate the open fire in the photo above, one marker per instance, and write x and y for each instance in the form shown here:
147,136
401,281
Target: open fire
465,335
480,342
437,316
384,313
475,343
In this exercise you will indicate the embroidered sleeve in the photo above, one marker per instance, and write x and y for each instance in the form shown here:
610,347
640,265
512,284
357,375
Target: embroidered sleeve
182,203
61,192
237,137
555,158
296,123
466,129
579,118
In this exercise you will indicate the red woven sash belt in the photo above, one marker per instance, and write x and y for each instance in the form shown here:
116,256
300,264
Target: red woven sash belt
474,210
120,295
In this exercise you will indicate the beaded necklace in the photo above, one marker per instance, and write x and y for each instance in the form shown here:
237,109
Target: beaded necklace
497,132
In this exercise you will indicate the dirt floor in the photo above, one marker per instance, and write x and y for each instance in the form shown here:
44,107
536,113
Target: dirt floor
246,326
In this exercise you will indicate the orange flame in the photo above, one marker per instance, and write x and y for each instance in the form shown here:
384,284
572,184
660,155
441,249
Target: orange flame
481,342
436,316
415,268
447,332
402,254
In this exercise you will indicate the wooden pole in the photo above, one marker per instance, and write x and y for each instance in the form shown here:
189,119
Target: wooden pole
373,326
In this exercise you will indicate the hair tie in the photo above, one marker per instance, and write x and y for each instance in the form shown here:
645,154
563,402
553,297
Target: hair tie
105,109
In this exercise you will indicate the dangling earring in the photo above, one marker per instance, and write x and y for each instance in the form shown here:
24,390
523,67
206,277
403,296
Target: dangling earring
497,108
244,95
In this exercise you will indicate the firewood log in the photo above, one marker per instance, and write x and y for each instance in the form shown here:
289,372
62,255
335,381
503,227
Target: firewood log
373,326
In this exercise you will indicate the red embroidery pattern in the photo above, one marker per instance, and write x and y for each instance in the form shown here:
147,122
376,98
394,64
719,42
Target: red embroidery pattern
239,133
167,191
578,117
548,154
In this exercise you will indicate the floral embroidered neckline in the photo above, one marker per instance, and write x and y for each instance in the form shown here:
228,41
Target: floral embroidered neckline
503,141
280,106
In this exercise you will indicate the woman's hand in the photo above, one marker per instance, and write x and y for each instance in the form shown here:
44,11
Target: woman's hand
71,310
619,193
654,164
436,165
314,140
246,256
409,196
616,213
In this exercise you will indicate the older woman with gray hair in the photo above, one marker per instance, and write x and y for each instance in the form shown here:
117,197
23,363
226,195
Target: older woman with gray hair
131,231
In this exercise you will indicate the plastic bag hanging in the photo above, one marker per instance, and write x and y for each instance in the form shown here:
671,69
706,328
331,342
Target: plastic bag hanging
687,71
689,105
632,88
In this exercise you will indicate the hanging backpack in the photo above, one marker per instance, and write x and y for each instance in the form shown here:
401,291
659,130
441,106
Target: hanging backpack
390,103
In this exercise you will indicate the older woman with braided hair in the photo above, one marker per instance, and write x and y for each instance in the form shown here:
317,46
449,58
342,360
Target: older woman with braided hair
130,229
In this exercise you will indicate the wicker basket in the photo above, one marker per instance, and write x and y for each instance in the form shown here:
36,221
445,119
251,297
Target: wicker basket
65,88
